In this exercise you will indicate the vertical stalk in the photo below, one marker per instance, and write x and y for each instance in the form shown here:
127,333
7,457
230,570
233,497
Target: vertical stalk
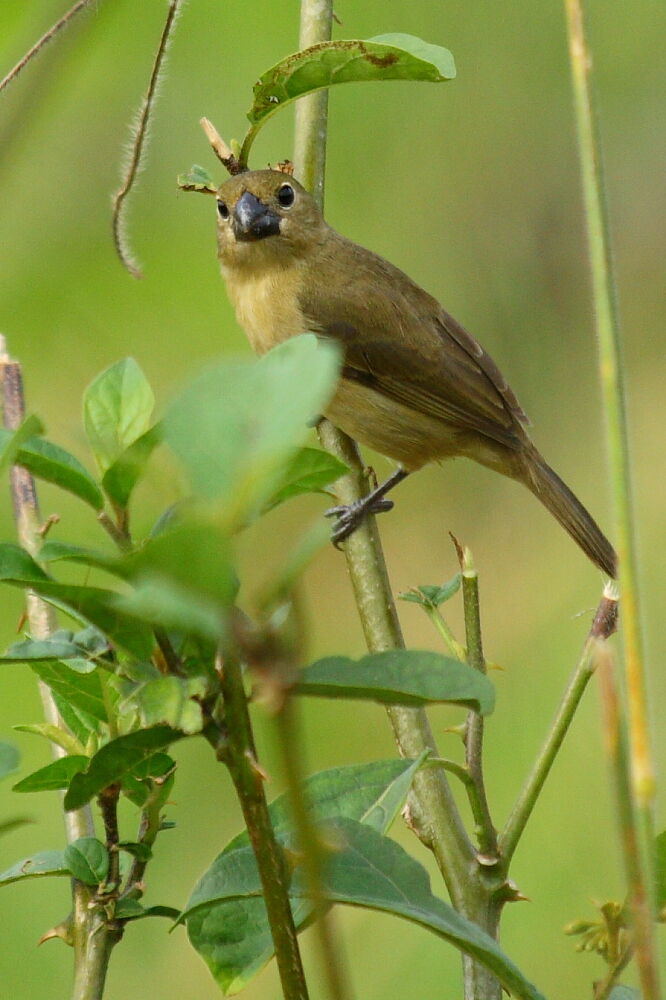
93,938
234,744
611,374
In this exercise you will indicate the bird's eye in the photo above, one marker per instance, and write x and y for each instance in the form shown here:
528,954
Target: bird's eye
286,195
223,209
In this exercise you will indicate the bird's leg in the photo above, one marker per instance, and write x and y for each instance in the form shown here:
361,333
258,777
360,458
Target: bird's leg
349,516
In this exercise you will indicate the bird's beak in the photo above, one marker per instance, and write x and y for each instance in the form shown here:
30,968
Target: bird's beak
253,220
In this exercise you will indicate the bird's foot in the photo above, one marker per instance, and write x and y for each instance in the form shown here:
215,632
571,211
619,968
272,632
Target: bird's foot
349,516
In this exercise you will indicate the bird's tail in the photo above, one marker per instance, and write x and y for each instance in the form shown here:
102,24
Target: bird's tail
569,511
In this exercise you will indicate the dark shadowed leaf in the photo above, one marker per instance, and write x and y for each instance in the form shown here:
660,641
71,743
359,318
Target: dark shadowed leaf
117,408
369,870
399,677
118,758
53,464
55,775
88,860
37,866
373,793
386,57
660,871
131,909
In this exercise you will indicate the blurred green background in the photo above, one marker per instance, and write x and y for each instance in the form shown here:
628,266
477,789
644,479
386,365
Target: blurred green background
472,188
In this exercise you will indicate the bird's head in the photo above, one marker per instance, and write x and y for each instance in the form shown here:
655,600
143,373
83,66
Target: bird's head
264,218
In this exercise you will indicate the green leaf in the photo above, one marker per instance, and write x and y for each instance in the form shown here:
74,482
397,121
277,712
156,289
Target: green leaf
371,871
53,464
117,408
41,650
97,606
152,778
78,722
63,552
309,470
54,776
373,793
234,427
10,759
386,57
83,691
158,602
131,909
194,555
197,179
399,677
88,860
36,866
118,758
12,441
125,472
168,700
430,596
55,734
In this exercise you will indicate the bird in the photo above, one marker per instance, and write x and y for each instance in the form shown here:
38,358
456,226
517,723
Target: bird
414,385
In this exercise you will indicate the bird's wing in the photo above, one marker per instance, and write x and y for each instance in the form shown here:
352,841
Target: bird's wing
399,341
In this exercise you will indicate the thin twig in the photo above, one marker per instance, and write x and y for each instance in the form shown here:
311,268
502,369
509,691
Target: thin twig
220,148
486,832
235,746
603,626
46,37
140,131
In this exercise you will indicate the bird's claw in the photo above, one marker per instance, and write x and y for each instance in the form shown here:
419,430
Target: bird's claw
349,516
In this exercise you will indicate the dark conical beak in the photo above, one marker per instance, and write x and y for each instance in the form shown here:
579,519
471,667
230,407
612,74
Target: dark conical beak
253,220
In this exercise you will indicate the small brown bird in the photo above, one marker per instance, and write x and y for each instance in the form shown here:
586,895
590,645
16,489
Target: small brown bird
415,385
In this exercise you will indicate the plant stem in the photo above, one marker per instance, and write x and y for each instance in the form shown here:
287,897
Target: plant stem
617,749
611,375
474,731
442,626
602,627
235,746
313,852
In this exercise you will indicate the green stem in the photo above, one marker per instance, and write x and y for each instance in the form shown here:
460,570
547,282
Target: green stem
611,375
447,635
312,850
474,731
602,626
235,746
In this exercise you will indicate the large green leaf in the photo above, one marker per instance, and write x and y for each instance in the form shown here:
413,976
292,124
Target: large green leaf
53,464
82,691
373,793
37,866
93,604
234,427
156,601
88,860
399,677
117,408
115,760
386,57
54,776
370,871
